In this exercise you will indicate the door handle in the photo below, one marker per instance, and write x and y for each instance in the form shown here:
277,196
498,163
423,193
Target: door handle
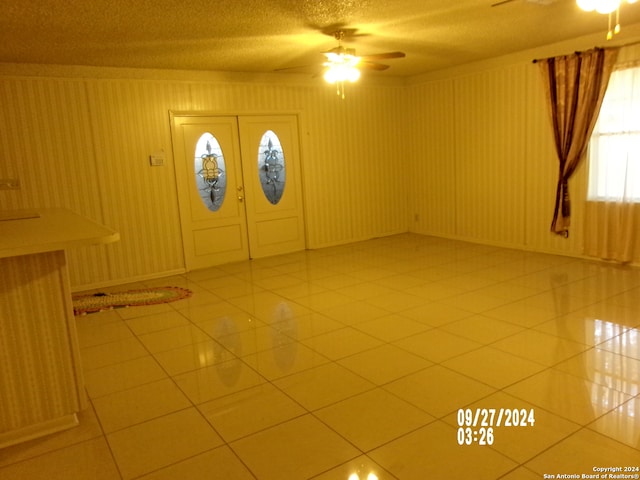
240,198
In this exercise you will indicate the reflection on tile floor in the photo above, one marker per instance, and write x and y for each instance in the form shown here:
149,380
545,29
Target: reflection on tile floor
351,363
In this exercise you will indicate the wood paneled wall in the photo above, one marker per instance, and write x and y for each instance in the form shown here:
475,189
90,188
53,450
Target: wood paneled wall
81,139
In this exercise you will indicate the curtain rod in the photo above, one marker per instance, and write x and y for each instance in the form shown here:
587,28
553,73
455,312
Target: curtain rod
630,44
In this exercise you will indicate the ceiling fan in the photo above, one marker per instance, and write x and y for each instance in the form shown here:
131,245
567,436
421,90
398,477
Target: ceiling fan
365,61
341,64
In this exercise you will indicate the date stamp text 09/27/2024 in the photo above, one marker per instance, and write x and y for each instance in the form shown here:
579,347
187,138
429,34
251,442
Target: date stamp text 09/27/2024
476,427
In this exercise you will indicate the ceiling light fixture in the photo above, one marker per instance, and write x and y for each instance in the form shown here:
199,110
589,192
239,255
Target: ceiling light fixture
341,68
341,65
606,7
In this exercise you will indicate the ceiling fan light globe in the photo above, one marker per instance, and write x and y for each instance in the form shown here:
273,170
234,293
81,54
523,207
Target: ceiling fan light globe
330,75
587,5
353,74
607,6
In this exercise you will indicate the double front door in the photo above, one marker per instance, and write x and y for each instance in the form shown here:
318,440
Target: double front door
239,187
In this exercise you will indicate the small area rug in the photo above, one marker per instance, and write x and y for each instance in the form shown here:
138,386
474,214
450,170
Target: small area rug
97,302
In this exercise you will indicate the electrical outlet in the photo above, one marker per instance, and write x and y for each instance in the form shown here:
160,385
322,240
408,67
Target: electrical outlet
9,184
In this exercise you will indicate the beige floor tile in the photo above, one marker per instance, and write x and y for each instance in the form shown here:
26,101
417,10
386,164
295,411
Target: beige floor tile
437,345
217,463
299,290
323,300
582,328
436,314
107,354
203,297
90,460
246,412
323,385
321,331
353,313
434,291
475,302
518,440
342,343
483,329
250,340
391,327
581,452
295,450
395,302
286,359
143,310
212,313
365,290
627,344
156,322
192,357
384,364
136,405
612,313
93,334
314,324
438,390
493,367
282,313
622,424
373,418
218,380
161,442
540,347
433,452
173,338
524,313
360,468
570,397
122,376
521,473
606,368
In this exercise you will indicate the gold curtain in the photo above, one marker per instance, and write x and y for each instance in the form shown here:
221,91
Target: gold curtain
575,85
612,231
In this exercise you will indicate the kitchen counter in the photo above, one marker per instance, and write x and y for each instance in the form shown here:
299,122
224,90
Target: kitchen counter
41,381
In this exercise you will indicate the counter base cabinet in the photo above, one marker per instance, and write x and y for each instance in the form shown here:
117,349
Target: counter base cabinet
41,385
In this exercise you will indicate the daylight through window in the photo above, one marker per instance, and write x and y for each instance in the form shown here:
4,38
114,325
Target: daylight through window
614,149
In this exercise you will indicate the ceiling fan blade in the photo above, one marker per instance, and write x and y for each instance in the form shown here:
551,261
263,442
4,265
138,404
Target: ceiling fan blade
297,67
383,56
373,65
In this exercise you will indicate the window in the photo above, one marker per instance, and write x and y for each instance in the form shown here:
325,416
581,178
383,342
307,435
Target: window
614,149
271,167
209,172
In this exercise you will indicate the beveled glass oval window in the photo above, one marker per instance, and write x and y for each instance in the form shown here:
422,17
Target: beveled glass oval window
209,171
271,167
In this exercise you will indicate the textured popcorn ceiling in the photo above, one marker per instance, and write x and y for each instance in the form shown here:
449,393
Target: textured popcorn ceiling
263,36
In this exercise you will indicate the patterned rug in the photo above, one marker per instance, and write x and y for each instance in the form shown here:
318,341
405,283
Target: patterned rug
97,302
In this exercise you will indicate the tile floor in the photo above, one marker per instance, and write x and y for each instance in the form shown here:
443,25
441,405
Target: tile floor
349,361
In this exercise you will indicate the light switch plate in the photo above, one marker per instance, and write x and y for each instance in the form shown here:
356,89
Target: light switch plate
157,160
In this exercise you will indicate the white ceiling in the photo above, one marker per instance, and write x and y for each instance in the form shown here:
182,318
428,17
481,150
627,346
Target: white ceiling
267,35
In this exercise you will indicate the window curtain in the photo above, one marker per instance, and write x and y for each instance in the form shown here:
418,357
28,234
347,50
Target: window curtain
612,215
575,85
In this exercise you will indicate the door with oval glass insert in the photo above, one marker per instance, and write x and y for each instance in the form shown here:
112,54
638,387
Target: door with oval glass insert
272,179
239,187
